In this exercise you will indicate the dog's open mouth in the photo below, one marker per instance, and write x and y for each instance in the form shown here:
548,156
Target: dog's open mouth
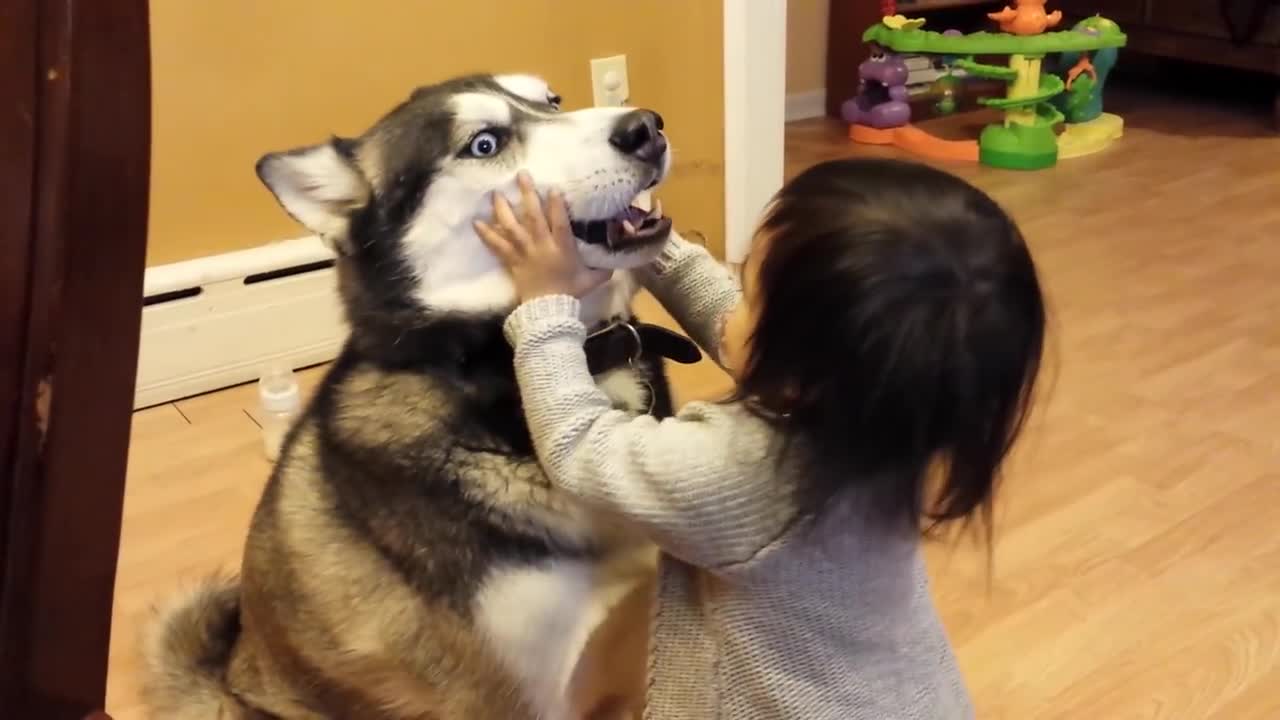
632,229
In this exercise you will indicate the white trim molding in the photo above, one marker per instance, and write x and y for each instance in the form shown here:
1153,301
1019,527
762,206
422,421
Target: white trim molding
217,321
806,105
755,69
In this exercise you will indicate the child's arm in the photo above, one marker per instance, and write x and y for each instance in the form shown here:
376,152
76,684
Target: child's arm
696,289
698,484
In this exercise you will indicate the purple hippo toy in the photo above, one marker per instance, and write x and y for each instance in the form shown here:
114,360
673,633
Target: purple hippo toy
881,101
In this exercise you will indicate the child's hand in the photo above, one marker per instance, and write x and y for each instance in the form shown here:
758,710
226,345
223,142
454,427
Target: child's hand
540,252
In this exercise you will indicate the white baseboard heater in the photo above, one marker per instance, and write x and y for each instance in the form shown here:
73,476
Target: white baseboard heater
217,321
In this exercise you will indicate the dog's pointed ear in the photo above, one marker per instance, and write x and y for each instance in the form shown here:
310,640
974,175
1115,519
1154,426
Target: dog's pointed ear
319,186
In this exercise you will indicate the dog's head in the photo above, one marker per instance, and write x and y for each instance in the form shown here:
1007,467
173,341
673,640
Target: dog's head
398,201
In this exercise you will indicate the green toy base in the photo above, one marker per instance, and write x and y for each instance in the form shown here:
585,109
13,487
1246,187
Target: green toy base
1017,161
1018,147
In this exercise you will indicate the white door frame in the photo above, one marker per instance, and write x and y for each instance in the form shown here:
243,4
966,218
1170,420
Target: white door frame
755,99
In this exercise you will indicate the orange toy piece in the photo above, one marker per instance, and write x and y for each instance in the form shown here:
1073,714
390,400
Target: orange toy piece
1082,66
1027,18
916,141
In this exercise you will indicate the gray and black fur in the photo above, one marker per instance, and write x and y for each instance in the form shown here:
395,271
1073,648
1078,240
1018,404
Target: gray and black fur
409,482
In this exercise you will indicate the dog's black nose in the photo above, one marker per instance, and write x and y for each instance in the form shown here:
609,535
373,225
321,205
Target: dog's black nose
639,133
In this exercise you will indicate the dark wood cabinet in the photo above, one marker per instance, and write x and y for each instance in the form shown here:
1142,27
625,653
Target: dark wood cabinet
74,163
1243,34
1238,34
1195,17
1124,12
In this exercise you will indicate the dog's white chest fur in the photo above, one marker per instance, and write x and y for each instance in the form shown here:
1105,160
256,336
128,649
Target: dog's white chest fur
627,388
540,618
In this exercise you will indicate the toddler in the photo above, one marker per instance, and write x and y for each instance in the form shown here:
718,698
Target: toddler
884,341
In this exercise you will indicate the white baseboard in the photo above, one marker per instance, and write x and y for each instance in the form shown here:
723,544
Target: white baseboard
206,328
805,105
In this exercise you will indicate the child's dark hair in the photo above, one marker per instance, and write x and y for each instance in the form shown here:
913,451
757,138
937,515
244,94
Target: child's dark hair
899,330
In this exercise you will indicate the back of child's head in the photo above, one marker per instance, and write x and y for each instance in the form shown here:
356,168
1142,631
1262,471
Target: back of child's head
898,334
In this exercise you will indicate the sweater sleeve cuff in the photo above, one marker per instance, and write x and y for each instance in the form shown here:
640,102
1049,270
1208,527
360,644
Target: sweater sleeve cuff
539,315
676,251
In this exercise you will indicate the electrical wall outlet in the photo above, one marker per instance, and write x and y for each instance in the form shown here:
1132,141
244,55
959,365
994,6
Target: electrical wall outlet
609,85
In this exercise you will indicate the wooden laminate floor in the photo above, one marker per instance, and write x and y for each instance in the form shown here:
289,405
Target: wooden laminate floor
1137,566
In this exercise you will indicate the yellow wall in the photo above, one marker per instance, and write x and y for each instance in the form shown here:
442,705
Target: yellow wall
233,79
807,44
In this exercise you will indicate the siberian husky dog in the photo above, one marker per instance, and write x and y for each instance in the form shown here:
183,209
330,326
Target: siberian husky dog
408,558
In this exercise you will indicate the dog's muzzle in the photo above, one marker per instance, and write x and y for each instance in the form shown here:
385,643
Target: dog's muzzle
637,134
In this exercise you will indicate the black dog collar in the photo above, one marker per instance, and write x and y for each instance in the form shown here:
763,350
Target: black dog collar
622,342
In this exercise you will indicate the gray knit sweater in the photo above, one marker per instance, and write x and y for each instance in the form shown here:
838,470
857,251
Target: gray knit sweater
758,617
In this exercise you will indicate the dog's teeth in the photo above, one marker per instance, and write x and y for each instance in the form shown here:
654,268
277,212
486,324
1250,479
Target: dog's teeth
628,227
656,212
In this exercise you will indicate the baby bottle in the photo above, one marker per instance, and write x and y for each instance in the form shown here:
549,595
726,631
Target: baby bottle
281,400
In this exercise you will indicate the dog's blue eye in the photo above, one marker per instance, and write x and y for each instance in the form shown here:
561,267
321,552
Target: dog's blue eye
484,144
